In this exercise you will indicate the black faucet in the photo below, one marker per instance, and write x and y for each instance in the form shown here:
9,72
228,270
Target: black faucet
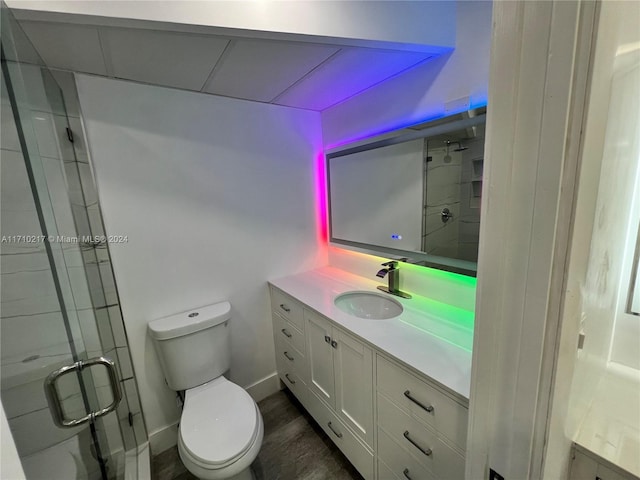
394,279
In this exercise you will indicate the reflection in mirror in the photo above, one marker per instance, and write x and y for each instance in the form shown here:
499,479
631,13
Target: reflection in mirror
633,300
415,193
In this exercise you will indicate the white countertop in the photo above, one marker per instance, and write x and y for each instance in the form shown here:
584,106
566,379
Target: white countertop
431,337
611,427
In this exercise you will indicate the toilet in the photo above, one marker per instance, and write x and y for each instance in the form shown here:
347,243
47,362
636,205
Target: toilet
221,428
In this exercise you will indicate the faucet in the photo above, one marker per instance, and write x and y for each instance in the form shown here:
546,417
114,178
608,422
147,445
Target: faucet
394,279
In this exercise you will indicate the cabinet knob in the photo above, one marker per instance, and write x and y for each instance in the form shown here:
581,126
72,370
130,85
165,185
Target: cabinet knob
327,339
334,344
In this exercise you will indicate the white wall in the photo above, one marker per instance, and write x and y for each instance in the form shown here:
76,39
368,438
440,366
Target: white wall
421,93
216,196
401,22
10,466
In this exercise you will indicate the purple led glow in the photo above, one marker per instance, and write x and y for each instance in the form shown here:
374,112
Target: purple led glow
399,124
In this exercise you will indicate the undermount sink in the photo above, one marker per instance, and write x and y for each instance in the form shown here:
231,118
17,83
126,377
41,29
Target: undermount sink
369,305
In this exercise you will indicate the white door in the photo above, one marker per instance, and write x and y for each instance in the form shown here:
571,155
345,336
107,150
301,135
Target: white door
353,371
320,357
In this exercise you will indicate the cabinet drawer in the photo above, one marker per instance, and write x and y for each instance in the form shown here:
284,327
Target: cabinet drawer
385,473
294,383
419,441
347,442
288,358
401,464
285,331
396,423
287,307
423,401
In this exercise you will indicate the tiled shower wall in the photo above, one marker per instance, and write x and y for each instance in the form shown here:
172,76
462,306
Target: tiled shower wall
443,191
470,196
33,331
34,339
454,181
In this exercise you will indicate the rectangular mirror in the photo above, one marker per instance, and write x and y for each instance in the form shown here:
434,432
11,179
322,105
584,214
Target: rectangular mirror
413,194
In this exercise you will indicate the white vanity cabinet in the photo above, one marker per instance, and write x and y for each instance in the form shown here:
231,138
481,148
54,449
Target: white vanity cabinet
421,430
341,374
388,420
290,349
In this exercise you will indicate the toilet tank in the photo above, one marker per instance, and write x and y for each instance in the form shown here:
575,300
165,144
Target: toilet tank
193,346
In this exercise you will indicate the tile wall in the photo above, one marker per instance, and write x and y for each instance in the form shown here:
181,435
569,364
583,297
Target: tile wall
35,340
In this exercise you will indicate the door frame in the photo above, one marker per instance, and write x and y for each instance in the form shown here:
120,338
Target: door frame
539,73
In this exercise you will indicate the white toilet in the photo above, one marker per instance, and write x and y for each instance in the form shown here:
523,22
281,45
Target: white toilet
221,428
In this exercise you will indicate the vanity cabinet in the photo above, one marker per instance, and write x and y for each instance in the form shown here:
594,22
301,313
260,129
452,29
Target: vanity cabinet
341,374
290,349
389,421
330,373
421,431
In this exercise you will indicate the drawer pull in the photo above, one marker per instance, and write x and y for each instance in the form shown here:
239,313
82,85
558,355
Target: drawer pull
292,382
289,357
427,408
286,334
427,451
405,472
285,308
338,434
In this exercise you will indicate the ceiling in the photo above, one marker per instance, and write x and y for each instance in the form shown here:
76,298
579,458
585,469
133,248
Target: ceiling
313,76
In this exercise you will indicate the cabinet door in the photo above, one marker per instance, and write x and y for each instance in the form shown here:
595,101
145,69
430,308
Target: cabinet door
353,370
320,357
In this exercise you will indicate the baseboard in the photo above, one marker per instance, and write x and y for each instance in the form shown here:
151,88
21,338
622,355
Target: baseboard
264,387
163,439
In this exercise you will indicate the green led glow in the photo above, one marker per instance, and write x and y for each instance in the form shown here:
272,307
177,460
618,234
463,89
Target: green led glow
443,312
462,280
451,324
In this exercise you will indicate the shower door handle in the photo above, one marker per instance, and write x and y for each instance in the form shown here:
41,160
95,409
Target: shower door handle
55,405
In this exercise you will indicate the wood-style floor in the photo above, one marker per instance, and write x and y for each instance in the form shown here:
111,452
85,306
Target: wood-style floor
294,448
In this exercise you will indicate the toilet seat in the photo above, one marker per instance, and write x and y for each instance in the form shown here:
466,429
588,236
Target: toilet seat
219,424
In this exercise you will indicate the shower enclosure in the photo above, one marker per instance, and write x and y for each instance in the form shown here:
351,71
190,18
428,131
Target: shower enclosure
67,385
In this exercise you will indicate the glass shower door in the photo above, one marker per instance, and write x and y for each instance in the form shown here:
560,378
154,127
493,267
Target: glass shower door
60,323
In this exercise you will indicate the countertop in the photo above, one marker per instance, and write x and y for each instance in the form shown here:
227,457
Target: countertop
611,427
431,337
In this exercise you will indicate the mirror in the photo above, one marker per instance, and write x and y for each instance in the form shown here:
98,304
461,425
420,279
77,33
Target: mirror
633,299
414,193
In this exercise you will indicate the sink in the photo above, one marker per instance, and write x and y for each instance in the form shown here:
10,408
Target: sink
369,305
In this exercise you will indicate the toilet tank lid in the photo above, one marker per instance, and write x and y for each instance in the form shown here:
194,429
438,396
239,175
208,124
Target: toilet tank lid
190,321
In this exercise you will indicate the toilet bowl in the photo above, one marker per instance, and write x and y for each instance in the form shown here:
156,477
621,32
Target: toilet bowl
221,431
221,428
